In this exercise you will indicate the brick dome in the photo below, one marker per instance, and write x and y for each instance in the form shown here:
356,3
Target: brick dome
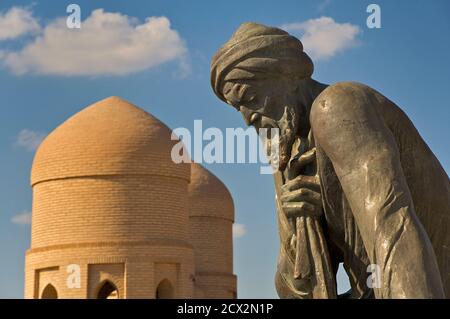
211,217
106,175
110,137
208,196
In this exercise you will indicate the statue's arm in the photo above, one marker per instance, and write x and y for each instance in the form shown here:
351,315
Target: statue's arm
347,126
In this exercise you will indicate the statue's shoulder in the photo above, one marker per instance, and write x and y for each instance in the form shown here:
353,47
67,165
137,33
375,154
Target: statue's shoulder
342,97
342,92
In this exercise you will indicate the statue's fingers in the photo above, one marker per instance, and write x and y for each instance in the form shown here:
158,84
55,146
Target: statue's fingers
301,181
302,194
298,209
303,160
307,158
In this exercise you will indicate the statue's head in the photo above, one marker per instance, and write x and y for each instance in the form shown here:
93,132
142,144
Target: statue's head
259,71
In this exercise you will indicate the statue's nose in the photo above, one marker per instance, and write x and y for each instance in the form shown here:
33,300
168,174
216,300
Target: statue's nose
250,117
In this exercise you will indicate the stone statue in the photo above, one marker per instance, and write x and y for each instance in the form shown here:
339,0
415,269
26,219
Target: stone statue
356,183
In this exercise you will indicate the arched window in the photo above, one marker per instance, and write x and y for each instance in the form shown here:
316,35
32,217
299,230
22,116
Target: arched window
164,290
49,292
108,291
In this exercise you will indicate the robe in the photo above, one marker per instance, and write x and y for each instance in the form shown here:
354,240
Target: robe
428,186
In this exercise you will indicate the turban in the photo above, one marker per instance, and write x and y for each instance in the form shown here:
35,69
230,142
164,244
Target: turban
256,50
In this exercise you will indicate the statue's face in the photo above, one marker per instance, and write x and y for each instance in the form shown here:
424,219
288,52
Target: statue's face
268,104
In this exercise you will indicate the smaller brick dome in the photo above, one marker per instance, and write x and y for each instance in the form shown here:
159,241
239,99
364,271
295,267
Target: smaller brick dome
208,196
110,137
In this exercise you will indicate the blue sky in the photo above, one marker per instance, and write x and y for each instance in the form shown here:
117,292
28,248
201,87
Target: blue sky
407,60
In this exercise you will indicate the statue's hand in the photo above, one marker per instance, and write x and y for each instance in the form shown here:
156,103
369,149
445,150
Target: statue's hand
301,196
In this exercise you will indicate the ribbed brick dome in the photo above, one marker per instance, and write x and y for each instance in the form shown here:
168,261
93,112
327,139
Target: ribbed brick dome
110,137
208,196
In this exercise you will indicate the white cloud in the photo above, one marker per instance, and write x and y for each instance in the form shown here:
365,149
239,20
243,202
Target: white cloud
239,230
323,38
106,44
16,22
29,140
23,218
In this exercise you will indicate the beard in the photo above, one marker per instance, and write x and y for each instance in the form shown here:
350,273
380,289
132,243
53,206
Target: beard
288,129
279,147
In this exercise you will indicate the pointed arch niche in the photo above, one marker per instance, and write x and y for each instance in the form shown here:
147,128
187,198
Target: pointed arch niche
164,290
49,292
107,290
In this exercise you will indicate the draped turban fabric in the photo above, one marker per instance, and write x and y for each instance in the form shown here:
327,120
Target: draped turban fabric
256,51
